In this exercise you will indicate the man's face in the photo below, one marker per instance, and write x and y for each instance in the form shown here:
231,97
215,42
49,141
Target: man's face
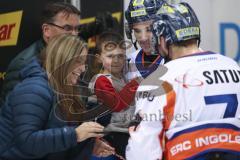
143,34
62,24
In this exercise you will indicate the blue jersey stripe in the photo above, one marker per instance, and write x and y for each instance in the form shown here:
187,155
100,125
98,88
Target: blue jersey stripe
205,126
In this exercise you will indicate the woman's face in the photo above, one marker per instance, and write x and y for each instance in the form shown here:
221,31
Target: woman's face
77,67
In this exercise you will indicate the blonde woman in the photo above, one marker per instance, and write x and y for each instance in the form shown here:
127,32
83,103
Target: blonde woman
37,117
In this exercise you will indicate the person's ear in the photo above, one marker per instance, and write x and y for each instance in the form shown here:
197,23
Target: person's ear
163,45
98,58
46,32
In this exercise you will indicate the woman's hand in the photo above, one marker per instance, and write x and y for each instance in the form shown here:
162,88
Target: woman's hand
102,149
87,130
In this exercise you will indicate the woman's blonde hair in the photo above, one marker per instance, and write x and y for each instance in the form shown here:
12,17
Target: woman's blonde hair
61,53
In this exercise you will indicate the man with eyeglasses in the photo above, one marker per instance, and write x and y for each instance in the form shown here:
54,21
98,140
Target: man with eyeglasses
57,18
67,28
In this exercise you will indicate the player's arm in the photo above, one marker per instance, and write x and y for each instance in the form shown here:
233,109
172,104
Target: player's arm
146,133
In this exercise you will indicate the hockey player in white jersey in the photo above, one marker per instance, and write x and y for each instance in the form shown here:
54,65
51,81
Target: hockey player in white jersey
139,16
189,108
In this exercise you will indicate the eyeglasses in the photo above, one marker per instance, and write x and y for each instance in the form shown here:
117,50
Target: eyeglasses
109,46
67,28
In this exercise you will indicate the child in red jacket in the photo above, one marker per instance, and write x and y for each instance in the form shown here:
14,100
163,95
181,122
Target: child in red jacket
111,88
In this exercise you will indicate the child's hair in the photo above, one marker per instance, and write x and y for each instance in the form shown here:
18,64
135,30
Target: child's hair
113,38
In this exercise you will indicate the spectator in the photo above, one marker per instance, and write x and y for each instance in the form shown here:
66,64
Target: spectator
111,88
37,117
57,18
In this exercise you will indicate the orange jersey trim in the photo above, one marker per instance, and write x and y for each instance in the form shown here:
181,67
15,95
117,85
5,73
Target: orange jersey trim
193,143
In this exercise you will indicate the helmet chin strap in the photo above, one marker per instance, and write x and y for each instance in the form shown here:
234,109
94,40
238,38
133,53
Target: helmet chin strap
130,37
167,55
167,58
134,44
154,46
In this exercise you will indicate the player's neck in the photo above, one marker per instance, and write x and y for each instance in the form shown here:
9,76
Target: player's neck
181,51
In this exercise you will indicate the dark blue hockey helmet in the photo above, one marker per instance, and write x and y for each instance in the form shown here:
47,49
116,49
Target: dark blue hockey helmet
176,23
140,11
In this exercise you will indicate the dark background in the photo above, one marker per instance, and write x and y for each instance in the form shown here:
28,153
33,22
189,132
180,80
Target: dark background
30,29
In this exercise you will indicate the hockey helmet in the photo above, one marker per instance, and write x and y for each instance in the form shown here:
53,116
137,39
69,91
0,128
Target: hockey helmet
176,23
140,11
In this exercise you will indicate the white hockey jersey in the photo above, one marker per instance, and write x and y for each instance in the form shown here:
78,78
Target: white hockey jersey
136,68
188,107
